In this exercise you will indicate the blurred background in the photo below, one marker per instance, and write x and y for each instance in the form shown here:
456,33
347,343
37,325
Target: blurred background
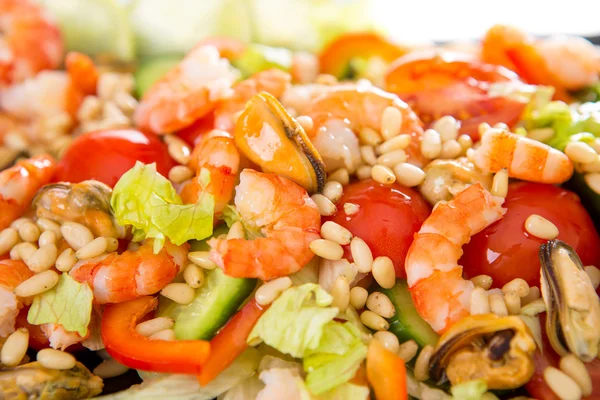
131,29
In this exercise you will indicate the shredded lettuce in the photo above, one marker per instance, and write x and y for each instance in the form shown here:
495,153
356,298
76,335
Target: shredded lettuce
148,202
471,390
258,57
69,303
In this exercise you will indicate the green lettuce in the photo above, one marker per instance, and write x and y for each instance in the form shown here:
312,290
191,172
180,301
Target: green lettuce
148,202
471,390
258,57
69,304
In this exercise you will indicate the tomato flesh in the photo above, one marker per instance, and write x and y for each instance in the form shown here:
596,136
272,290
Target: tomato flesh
387,219
106,155
504,250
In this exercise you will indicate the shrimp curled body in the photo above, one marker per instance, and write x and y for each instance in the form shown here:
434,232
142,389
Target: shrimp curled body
12,274
440,293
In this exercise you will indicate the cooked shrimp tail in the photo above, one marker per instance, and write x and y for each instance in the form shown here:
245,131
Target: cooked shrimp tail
12,273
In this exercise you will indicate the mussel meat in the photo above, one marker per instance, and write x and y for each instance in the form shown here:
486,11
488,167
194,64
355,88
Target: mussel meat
573,307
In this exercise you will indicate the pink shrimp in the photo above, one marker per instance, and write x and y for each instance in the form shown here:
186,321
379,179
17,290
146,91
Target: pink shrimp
524,158
187,92
284,214
19,184
12,273
216,151
127,276
59,337
31,42
435,281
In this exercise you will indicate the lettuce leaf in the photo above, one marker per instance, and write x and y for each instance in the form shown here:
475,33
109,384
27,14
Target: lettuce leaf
148,202
471,390
69,303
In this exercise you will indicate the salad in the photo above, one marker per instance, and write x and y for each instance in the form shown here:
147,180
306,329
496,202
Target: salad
370,220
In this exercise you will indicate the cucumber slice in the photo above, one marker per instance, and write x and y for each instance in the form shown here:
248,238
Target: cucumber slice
94,27
407,324
152,70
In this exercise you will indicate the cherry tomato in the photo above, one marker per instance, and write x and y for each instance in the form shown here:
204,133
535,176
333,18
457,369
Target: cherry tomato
191,134
504,250
387,218
106,155
37,338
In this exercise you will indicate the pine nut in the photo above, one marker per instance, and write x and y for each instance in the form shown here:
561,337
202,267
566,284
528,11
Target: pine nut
534,308
391,122
48,225
180,173
500,183
374,321
341,293
37,284
43,258
193,275
47,237
513,303
364,172
367,154
591,167
399,142
580,152
76,235
112,244
154,325
327,249
409,175
422,363
388,339
201,259
431,145
236,231
576,370
450,149
593,181
369,137
165,334
540,227
93,249
324,205
594,275
178,149
497,304
22,251
383,272
540,134
55,359
15,348
9,237
18,222
351,208
336,233
482,281
447,127
306,122
517,285
333,190
29,232
267,293
408,350
392,158
358,297
483,128
66,261
533,294
180,293
361,254
479,303
501,125
110,369
341,175
14,252
561,384
380,304
383,175
465,142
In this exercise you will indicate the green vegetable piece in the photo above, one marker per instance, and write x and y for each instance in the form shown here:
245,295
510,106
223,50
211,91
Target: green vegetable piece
472,390
152,70
259,57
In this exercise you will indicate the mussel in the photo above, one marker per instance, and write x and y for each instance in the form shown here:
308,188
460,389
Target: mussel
573,307
271,138
87,203
33,381
496,349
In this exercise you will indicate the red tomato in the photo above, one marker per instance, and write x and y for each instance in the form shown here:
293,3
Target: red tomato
504,250
191,134
106,155
37,338
388,217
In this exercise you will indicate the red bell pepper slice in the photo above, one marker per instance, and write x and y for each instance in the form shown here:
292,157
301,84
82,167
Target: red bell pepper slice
386,373
230,342
130,348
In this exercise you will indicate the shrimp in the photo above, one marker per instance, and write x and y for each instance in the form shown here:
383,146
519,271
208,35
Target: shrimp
524,158
187,92
31,42
216,151
12,273
340,112
122,277
284,214
273,81
59,337
440,293
19,184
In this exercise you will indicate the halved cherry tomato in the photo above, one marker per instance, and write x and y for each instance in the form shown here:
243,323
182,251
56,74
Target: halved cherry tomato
37,338
191,134
386,373
106,155
505,251
387,218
